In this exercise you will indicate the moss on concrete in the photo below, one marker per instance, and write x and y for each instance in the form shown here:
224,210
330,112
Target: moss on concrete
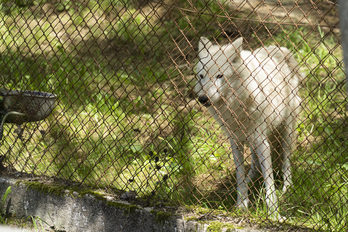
44,188
191,218
216,226
129,208
161,216
60,190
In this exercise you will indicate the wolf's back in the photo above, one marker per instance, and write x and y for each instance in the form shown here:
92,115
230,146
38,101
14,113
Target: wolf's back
271,77
281,56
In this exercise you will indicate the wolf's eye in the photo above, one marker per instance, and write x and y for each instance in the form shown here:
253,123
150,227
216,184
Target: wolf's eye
219,76
201,76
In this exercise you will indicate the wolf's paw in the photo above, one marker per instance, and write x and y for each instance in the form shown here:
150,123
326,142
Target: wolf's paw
278,218
242,204
286,186
274,215
281,218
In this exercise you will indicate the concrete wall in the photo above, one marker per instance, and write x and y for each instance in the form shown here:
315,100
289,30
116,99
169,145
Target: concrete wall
69,213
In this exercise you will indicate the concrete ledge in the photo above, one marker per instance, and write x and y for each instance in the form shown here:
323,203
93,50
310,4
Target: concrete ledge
69,212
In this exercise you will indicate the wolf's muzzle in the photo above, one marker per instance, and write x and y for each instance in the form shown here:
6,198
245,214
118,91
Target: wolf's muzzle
204,100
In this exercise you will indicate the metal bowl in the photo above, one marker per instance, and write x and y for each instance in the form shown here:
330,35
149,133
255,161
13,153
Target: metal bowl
35,105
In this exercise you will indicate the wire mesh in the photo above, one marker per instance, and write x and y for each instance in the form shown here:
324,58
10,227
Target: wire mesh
127,119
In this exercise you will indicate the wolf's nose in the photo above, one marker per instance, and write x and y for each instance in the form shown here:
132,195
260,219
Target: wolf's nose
204,100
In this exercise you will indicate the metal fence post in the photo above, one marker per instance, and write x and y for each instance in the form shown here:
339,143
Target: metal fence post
343,9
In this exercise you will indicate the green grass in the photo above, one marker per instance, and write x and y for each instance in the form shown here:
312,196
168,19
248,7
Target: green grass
121,121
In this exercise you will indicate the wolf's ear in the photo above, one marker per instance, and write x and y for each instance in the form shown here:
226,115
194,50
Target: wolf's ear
233,49
237,44
203,47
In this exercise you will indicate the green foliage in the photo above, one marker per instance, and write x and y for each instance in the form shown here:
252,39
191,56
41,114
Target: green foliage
118,123
2,206
161,217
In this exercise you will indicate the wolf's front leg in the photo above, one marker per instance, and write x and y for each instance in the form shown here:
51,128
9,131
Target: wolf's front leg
242,187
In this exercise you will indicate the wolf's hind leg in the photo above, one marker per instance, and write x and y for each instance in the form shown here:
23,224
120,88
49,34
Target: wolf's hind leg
255,167
286,167
263,151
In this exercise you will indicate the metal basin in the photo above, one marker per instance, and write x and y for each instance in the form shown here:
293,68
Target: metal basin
35,105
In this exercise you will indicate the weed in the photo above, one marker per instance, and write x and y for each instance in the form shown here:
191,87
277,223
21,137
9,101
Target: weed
2,206
36,225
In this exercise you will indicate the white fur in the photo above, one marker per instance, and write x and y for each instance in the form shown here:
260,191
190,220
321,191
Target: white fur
255,97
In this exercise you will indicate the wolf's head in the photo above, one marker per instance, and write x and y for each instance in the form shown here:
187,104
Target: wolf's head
215,69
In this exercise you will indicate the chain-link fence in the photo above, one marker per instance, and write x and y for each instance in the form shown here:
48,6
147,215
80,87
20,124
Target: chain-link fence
127,76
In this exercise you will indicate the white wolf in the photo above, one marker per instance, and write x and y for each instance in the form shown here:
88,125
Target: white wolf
253,95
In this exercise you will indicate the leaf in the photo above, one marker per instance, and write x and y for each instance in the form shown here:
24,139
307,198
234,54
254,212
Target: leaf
345,166
136,148
4,198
